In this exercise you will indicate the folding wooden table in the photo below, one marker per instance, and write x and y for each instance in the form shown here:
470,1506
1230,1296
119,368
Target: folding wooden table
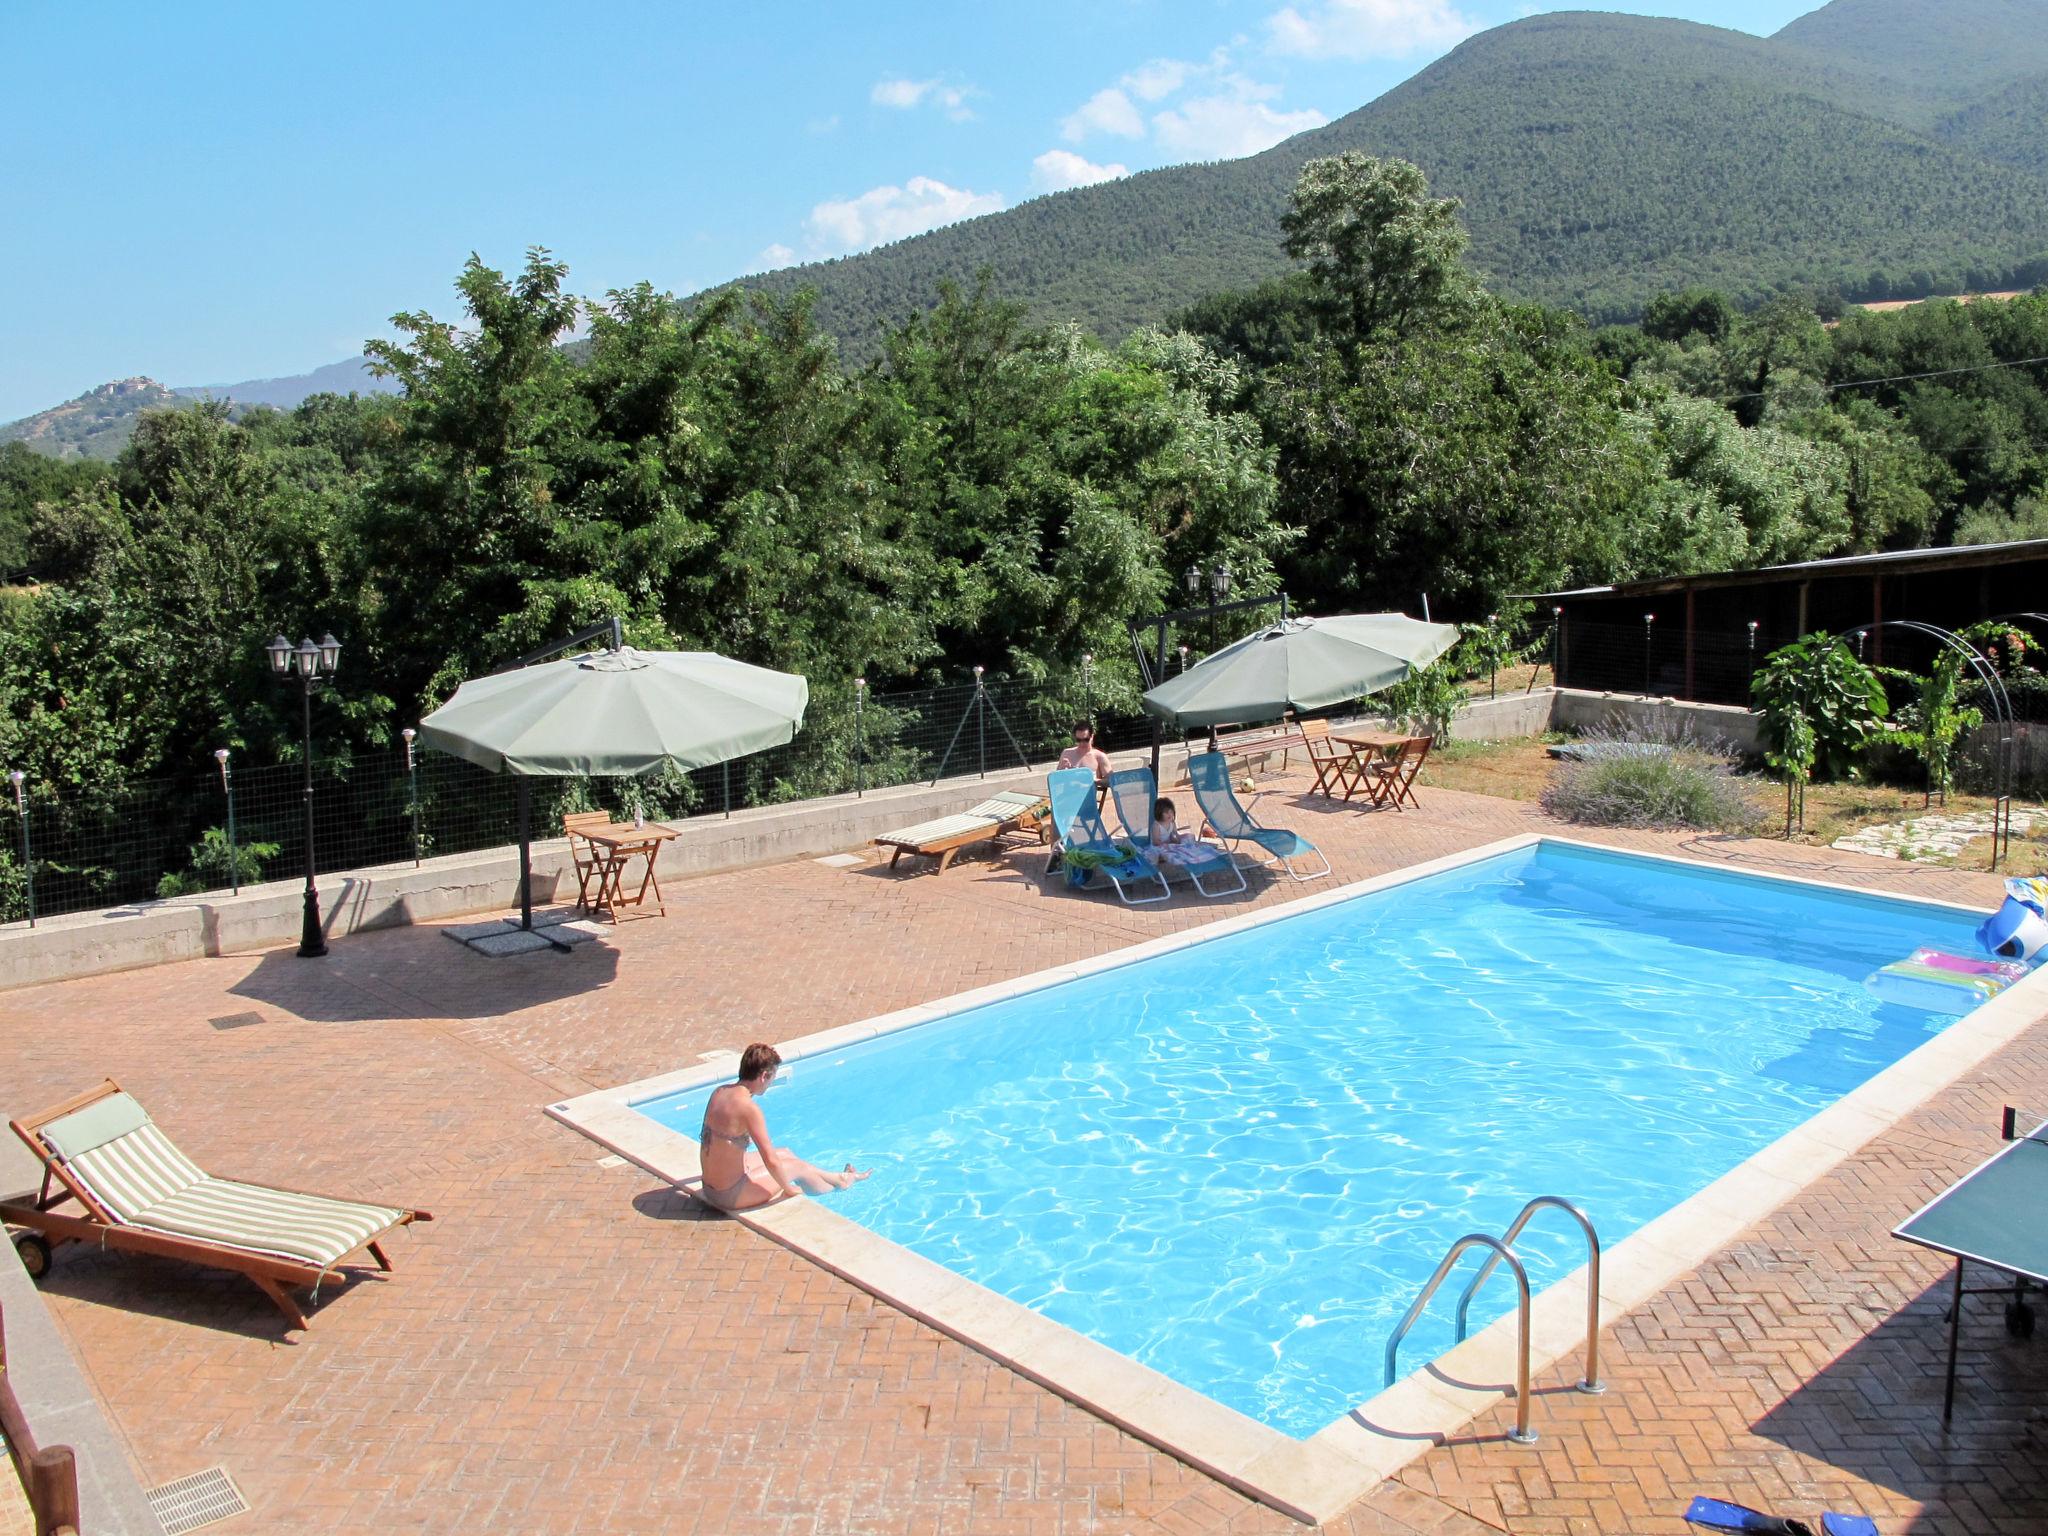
620,843
1366,748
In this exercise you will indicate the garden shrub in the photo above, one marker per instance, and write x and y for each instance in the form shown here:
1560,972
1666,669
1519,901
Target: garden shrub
1636,780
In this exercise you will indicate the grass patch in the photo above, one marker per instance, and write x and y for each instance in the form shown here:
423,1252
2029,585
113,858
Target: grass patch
1508,770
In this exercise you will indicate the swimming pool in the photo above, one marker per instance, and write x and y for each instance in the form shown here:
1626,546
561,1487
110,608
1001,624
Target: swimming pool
1237,1161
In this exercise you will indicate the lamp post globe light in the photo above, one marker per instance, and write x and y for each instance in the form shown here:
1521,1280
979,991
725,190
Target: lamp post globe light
312,661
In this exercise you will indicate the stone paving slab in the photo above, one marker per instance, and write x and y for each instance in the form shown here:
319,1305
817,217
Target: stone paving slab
571,1346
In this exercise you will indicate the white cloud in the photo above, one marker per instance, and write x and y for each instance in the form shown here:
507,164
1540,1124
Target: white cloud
1209,110
906,95
773,256
1158,79
903,94
882,214
1228,125
1108,111
1367,29
1058,169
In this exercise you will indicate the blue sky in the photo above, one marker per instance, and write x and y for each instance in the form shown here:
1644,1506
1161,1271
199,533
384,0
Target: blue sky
213,193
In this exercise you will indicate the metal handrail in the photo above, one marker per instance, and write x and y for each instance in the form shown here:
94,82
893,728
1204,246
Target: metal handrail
1590,1383
1521,1434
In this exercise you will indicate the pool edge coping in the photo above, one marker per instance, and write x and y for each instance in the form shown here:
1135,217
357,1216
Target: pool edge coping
1317,1478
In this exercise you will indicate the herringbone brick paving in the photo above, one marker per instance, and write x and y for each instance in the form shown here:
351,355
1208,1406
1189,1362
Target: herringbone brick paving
572,1347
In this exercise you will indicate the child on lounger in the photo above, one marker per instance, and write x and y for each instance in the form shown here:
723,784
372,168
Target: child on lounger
1170,845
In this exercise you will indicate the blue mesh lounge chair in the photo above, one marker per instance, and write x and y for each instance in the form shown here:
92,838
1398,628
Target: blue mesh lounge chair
1077,828
1209,774
1135,790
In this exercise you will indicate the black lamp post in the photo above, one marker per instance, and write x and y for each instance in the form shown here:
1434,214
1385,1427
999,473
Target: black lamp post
1649,628
1752,649
312,661
1219,591
227,788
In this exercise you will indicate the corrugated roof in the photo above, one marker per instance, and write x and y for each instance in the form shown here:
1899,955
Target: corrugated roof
1956,555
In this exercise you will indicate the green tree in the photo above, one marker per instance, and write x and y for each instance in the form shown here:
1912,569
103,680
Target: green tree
1380,252
1728,496
1678,317
1820,706
1489,457
468,494
1934,722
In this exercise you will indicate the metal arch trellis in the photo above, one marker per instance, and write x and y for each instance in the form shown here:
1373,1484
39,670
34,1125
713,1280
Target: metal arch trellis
1994,690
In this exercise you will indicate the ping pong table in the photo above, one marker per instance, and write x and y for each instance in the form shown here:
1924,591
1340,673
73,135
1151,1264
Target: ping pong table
1996,1217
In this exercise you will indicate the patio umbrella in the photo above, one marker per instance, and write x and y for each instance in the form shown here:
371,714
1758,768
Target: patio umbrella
617,711
1302,663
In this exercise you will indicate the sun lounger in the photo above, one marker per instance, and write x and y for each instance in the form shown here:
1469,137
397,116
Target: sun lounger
1209,776
1077,829
942,838
137,1193
1135,791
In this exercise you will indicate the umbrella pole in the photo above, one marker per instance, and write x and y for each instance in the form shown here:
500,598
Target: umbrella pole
525,853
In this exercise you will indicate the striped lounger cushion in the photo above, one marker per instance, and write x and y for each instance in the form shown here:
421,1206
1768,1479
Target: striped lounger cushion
144,1181
1004,807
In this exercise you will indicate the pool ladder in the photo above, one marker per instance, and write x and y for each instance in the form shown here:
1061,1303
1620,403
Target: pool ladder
1502,1249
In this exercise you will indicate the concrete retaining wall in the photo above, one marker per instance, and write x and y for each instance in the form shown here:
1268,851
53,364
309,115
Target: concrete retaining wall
1577,709
265,916
60,1407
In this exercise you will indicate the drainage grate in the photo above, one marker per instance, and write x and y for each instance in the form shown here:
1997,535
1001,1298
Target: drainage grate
236,1020
204,1498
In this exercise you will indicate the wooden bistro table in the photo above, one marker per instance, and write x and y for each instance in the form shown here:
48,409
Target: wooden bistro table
1365,747
620,843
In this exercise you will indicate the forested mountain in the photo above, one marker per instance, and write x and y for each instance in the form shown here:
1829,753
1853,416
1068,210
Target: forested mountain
1883,148
350,376
99,423
95,425
1926,57
2011,126
1600,158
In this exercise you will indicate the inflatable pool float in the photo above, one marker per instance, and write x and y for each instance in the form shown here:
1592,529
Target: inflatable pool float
1938,982
2019,929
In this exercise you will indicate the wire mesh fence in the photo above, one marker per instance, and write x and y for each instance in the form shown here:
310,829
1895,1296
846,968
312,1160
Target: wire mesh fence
1703,666
216,829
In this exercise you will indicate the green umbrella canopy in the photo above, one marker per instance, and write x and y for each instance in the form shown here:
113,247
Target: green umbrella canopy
618,712
1299,664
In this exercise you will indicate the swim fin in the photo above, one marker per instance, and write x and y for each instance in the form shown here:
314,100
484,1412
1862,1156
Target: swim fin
1719,1515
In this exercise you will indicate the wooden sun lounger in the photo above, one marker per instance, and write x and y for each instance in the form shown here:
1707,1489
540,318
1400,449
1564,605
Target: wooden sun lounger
137,1193
996,817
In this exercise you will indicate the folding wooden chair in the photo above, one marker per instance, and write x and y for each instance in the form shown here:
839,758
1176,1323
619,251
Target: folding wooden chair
1393,782
592,862
1337,770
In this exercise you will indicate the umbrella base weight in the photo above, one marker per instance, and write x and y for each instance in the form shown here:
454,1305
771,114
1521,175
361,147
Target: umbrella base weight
561,929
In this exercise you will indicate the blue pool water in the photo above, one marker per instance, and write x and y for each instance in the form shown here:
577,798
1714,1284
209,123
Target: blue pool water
1239,1161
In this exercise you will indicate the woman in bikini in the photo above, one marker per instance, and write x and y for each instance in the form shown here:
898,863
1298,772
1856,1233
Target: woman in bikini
736,1179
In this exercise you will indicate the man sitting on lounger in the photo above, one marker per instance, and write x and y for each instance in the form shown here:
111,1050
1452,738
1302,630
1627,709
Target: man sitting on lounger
736,1179
1085,754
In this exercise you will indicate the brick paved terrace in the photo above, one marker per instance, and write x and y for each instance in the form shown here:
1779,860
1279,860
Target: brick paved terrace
571,1346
